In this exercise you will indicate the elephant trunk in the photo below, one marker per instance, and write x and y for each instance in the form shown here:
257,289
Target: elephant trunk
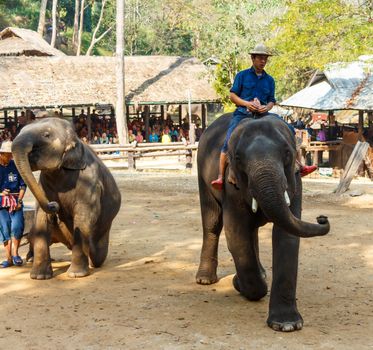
20,152
272,197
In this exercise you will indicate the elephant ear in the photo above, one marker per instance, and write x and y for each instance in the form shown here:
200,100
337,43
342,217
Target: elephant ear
74,156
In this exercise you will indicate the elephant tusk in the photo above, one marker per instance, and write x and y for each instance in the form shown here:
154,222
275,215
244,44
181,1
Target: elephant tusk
287,199
254,205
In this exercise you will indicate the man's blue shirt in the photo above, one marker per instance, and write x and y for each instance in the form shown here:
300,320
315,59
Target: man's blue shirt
10,178
248,85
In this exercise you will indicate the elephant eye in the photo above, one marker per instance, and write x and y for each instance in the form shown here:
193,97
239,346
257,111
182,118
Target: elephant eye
46,134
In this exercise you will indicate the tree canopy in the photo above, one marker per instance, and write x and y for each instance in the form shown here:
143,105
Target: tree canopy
312,34
305,34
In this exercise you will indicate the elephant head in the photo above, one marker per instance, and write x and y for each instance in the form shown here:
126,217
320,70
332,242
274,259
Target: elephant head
262,156
47,145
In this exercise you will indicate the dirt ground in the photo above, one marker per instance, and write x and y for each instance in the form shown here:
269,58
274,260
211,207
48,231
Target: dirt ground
145,296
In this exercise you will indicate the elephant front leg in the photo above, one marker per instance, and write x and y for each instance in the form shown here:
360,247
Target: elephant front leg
79,260
242,243
40,241
212,225
283,312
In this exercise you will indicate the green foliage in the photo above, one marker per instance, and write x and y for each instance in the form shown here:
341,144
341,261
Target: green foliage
224,76
19,13
312,34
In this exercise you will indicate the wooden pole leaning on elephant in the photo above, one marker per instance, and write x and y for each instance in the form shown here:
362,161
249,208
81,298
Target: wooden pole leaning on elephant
77,195
261,185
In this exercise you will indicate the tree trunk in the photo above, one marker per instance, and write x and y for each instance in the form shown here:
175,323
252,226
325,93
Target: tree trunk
76,26
54,23
43,8
80,28
120,110
94,39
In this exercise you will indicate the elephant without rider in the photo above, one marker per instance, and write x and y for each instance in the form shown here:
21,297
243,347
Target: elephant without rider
77,195
261,185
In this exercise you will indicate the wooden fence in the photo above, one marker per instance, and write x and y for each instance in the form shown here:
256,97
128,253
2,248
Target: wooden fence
136,151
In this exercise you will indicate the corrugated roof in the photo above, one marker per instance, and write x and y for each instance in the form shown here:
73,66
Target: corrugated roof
73,81
342,86
25,42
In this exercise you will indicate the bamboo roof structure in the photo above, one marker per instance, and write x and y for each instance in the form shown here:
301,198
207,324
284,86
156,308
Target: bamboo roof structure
343,86
25,42
68,81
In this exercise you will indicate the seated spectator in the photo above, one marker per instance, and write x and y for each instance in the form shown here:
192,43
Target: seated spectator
95,140
166,137
139,138
104,139
174,134
321,135
131,136
153,137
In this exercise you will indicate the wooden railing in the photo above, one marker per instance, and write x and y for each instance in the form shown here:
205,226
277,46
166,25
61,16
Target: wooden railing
134,152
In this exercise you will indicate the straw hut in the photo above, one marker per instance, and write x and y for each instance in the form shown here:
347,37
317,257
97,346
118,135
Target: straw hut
25,42
348,89
33,82
70,81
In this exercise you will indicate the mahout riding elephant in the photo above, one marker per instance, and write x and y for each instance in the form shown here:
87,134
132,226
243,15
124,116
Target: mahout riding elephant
77,195
261,185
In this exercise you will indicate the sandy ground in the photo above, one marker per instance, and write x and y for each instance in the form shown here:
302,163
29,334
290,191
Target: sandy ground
145,297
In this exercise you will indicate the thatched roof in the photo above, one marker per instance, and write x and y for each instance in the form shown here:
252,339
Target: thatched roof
342,86
25,42
76,81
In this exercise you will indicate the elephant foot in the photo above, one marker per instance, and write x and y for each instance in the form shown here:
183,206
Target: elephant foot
254,291
41,272
206,273
75,271
286,323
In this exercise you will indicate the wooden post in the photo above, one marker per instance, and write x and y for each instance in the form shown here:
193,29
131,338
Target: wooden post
357,156
120,116
146,122
361,125
189,160
180,115
370,119
162,112
131,160
192,131
128,111
89,126
161,118
5,118
204,116
16,117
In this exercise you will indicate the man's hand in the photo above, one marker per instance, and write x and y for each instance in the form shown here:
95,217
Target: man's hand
263,109
5,192
252,106
18,207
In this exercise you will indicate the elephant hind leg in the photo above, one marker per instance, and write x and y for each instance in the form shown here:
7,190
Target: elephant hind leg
98,250
212,223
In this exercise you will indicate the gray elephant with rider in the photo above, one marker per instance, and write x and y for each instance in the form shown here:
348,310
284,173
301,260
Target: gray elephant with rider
259,181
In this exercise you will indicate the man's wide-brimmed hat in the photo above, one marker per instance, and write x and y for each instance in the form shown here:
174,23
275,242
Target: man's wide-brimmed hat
6,147
261,49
